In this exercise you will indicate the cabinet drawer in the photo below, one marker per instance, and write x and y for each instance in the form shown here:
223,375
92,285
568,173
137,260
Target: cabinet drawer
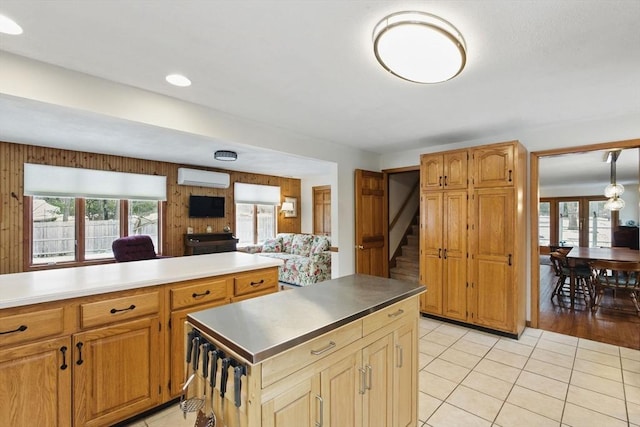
27,327
256,281
397,311
297,358
118,309
200,292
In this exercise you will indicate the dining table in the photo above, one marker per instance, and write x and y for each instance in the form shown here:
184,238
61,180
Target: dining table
586,255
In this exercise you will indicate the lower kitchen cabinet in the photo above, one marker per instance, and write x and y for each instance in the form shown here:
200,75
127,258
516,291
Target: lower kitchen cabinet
36,379
299,406
405,381
116,371
374,384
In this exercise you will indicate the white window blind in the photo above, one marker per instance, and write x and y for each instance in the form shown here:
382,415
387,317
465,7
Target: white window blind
45,180
254,194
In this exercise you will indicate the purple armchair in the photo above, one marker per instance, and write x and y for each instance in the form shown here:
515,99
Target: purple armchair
133,248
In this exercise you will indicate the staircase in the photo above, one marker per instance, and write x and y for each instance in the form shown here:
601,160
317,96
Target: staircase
408,264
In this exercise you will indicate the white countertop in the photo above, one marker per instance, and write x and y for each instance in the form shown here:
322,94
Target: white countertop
34,287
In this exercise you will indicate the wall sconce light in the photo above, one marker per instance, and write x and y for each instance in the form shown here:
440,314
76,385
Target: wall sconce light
287,207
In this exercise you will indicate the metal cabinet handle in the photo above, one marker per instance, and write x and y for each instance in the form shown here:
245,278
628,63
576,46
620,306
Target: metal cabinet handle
324,349
321,422
21,328
510,172
440,182
369,376
195,295
439,252
116,310
257,283
445,254
509,259
396,313
363,372
400,361
445,181
79,347
64,365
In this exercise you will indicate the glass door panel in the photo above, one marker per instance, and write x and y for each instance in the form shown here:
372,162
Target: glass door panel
599,225
544,224
569,221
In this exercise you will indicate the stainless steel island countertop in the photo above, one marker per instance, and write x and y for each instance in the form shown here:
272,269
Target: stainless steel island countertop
263,327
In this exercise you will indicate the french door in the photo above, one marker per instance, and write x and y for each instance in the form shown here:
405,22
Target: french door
576,221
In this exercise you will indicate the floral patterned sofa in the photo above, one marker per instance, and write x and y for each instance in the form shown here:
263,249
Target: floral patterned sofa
306,257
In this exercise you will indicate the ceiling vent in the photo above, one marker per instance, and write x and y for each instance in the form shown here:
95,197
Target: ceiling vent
200,178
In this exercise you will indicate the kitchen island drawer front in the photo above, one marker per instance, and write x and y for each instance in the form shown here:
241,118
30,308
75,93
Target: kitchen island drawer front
118,309
199,292
397,311
256,281
26,327
309,352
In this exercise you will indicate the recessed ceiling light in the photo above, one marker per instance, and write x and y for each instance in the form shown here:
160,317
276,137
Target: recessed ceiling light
9,26
178,80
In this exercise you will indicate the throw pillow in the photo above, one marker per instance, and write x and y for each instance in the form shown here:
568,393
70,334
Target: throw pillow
272,245
320,244
301,244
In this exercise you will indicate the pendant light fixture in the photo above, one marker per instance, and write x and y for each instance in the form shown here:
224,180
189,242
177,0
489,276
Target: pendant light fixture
419,47
614,190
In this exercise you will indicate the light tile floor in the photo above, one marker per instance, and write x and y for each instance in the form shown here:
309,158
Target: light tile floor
470,378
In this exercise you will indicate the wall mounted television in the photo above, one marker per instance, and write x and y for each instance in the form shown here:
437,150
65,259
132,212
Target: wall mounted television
206,207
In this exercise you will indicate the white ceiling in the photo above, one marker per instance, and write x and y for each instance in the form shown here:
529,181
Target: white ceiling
308,67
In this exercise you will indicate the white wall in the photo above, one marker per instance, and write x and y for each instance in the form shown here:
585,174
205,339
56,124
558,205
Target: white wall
400,186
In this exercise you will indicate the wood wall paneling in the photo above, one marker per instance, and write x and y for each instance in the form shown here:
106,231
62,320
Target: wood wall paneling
176,218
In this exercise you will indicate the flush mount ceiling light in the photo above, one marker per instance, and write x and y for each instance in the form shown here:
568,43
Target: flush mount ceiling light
225,155
9,26
419,47
178,80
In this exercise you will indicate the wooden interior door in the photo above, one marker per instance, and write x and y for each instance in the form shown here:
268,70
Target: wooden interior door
372,224
322,210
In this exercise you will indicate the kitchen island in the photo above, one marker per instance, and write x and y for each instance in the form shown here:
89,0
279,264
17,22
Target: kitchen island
341,352
95,345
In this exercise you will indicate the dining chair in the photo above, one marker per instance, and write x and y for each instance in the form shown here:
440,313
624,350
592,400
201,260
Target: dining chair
619,276
563,268
134,248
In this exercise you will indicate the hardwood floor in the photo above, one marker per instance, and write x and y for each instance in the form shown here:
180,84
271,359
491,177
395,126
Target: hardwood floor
616,322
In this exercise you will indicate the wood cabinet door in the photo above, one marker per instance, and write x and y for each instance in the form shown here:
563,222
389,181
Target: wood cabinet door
36,384
493,249
431,172
431,249
454,282
493,166
455,170
377,365
372,223
299,406
405,384
116,372
342,388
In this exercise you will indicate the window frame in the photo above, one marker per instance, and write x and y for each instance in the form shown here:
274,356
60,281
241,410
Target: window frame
254,222
583,202
80,256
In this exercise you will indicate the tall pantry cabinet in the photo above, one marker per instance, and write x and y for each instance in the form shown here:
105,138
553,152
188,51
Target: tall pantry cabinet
472,235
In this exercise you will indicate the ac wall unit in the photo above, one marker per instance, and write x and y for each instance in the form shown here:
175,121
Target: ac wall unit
200,178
